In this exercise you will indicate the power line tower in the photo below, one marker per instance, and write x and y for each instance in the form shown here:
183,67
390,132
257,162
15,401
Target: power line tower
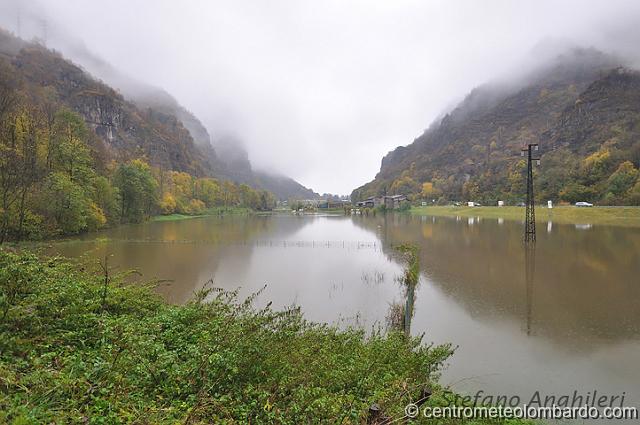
530,215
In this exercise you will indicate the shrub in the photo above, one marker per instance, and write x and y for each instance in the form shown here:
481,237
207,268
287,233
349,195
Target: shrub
70,352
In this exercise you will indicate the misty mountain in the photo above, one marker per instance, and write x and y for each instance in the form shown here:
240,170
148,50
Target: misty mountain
126,131
144,95
135,119
226,156
581,107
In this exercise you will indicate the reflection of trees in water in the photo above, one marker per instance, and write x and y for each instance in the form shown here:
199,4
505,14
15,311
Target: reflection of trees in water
585,280
186,252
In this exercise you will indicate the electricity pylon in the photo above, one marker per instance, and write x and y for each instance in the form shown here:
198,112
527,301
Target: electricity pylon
530,215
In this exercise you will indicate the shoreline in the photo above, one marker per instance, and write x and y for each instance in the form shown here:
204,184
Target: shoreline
611,216
208,213
80,330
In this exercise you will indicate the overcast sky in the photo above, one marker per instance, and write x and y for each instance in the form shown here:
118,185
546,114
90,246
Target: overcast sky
321,90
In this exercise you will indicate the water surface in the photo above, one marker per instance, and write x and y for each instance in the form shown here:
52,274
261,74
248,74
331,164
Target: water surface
562,318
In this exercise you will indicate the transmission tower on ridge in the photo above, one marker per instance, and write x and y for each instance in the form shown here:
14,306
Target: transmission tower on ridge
530,215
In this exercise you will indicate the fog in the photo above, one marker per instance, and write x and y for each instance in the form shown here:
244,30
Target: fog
321,90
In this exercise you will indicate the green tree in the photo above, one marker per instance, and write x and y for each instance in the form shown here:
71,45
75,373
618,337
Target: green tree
517,177
596,166
65,203
267,200
575,192
137,190
622,180
19,169
248,197
634,194
9,168
230,194
208,191
470,190
105,197
69,151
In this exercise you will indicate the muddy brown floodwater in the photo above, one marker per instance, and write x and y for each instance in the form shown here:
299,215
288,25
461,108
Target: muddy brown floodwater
561,319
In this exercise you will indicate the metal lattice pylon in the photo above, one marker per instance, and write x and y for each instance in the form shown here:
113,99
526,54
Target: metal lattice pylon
530,215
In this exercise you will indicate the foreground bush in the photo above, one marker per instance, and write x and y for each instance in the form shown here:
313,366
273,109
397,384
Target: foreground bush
73,352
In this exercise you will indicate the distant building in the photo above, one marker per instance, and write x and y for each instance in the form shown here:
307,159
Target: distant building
390,202
394,202
372,202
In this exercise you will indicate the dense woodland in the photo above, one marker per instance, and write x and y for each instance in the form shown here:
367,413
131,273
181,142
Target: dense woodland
57,177
583,110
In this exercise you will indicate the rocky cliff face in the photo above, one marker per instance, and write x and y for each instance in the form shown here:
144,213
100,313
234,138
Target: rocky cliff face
127,131
577,102
610,101
141,122
220,157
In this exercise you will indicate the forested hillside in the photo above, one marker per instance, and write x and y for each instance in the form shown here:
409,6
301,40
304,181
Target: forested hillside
584,110
127,132
75,156
225,156
136,120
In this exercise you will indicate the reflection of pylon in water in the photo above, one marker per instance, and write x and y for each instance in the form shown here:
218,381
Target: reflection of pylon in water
530,214
529,267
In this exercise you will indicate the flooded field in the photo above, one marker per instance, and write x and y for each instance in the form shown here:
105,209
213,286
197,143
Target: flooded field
559,319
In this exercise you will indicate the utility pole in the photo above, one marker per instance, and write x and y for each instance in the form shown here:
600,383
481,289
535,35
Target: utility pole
530,215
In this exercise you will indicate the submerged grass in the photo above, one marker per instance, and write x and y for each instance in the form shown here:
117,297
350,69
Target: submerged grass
616,216
79,346
206,213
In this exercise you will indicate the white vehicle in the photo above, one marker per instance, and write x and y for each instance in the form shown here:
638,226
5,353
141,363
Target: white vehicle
583,204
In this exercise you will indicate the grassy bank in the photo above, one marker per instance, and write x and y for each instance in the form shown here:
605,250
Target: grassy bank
618,216
206,213
80,347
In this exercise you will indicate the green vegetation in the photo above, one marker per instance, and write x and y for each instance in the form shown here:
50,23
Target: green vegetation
56,178
175,217
140,122
184,194
400,316
618,216
205,213
473,153
79,346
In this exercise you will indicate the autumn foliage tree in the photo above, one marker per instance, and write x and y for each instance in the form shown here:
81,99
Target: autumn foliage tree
55,180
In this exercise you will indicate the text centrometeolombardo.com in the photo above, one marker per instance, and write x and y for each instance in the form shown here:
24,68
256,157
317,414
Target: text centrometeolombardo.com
577,405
